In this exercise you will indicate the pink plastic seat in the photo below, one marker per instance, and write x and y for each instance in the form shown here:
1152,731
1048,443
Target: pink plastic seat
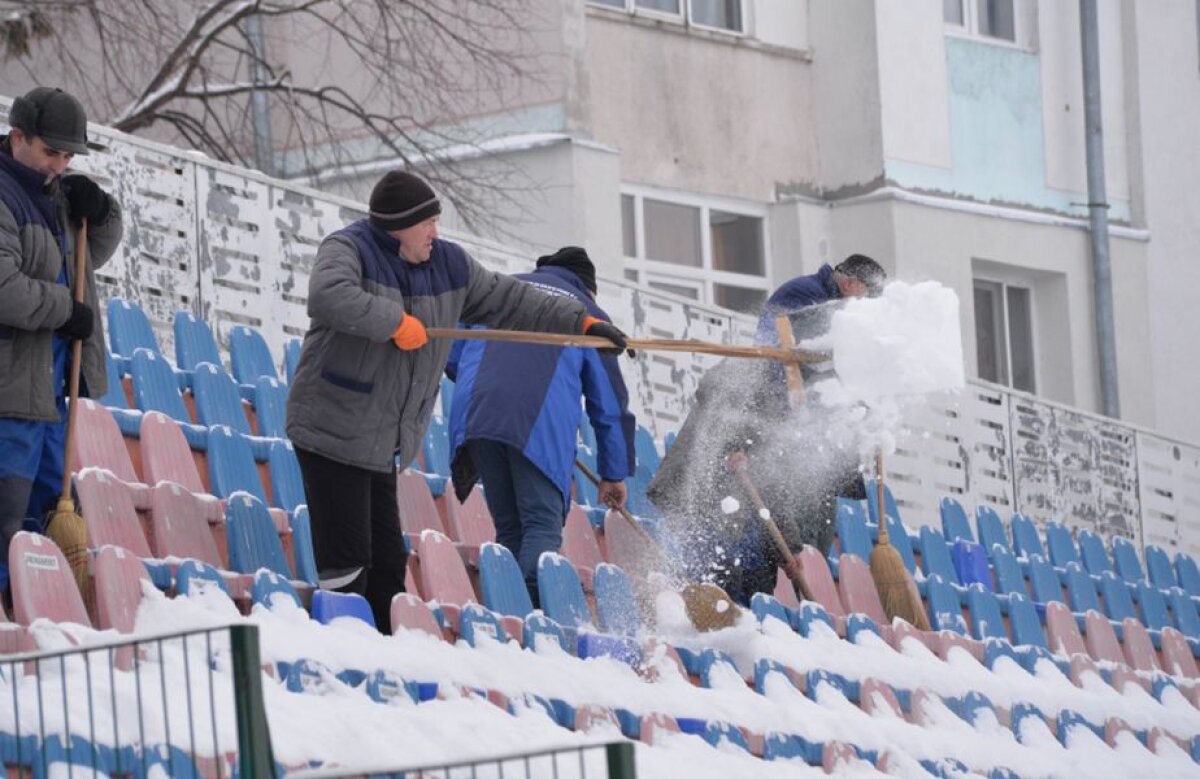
107,507
785,591
1101,639
820,580
166,455
41,582
1139,649
877,696
903,631
119,576
410,613
418,512
1062,631
627,548
858,592
99,444
655,726
591,716
838,756
180,522
1177,654
469,522
443,576
580,546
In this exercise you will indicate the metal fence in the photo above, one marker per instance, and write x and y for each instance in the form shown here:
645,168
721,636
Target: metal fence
179,704
591,761
236,247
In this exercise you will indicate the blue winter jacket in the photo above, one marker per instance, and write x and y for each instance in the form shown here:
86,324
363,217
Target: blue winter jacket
792,296
527,396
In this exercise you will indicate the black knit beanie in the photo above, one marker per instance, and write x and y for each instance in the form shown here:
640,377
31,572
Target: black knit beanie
401,200
576,260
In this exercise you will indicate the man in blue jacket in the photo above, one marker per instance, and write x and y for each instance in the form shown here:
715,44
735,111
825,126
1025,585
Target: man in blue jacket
515,414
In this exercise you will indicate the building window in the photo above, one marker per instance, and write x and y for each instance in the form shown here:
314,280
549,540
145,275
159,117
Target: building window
724,15
1004,334
985,18
709,251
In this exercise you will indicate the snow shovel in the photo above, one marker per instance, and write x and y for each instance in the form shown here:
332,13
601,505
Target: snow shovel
708,606
791,563
63,526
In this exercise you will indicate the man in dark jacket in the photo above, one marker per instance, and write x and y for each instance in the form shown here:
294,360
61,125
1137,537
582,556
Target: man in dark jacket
368,374
41,204
515,415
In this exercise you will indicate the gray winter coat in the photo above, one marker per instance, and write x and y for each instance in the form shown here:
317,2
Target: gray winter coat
358,399
33,304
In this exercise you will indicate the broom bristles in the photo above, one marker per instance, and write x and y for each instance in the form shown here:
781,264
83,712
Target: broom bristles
68,531
891,580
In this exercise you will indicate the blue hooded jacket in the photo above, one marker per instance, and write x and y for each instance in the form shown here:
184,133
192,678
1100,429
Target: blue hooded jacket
793,295
527,396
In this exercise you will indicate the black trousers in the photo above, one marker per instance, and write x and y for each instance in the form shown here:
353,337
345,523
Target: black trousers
356,531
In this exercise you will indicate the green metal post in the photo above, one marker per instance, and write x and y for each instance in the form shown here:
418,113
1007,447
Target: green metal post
621,764
254,739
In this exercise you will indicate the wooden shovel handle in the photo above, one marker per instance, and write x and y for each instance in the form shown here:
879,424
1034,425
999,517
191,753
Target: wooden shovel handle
76,359
792,565
784,355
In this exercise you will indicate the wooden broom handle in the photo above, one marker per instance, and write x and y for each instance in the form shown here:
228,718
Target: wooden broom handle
883,533
787,356
76,358
792,565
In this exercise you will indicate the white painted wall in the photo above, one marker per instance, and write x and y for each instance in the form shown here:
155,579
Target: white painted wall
780,22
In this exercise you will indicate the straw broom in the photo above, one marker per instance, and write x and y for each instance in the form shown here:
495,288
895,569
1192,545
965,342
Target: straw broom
887,567
63,526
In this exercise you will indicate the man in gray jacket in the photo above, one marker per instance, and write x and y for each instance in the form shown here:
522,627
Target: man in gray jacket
41,204
368,375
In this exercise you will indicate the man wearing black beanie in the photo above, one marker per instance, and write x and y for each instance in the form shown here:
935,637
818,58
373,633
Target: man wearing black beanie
368,374
515,415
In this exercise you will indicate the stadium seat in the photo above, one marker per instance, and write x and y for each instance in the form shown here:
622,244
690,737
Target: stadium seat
194,342
129,329
99,444
1118,603
287,484
580,545
302,547
249,357
1177,656
1007,571
1153,607
118,578
945,606
765,606
469,523
500,582
291,357
878,699
616,608
115,397
986,620
253,537
1158,566
627,548
107,506
409,612
1188,573
194,577
477,623
1026,541
179,524
231,469
218,402
1125,559
156,389
954,521
1060,545
645,449
1095,556
443,577
724,735
435,447
418,512
41,582
858,592
328,606
166,455
1139,649
1101,639
820,581
561,592
1026,625
991,529
1185,612
1081,590
971,564
935,555
1044,581
853,535
270,407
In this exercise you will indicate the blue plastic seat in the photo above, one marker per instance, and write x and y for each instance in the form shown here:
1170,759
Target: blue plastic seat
1158,566
765,606
287,483
645,450
616,608
713,662
270,407
268,584
291,357
1060,545
1081,590
986,619
585,492
971,564
249,356
945,607
763,669
954,520
500,582
1044,581
669,440
115,397
1187,616
935,555
155,388
1118,602
252,539
478,623
1021,712
1153,606
854,537
328,606
1009,577
970,706
1068,719
446,396
1025,624
193,575
789,746
587,437
561,593
859,624
59,757
718,733
1188,573
991,529
1026,541
435,447
302,547
231,465
218,402
819,676
1093,553
194,342
129,329
1125,559
810,614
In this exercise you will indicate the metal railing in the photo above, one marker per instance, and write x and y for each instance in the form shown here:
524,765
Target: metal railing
187,703
613,760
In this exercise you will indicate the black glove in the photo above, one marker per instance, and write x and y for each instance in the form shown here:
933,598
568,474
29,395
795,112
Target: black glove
85,199
80,324
603,329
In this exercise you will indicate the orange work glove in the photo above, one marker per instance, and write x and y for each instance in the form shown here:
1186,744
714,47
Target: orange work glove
410,334
598,327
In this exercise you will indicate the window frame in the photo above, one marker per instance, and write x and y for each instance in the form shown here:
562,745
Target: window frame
1004,283
970,26
704,274
685,16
